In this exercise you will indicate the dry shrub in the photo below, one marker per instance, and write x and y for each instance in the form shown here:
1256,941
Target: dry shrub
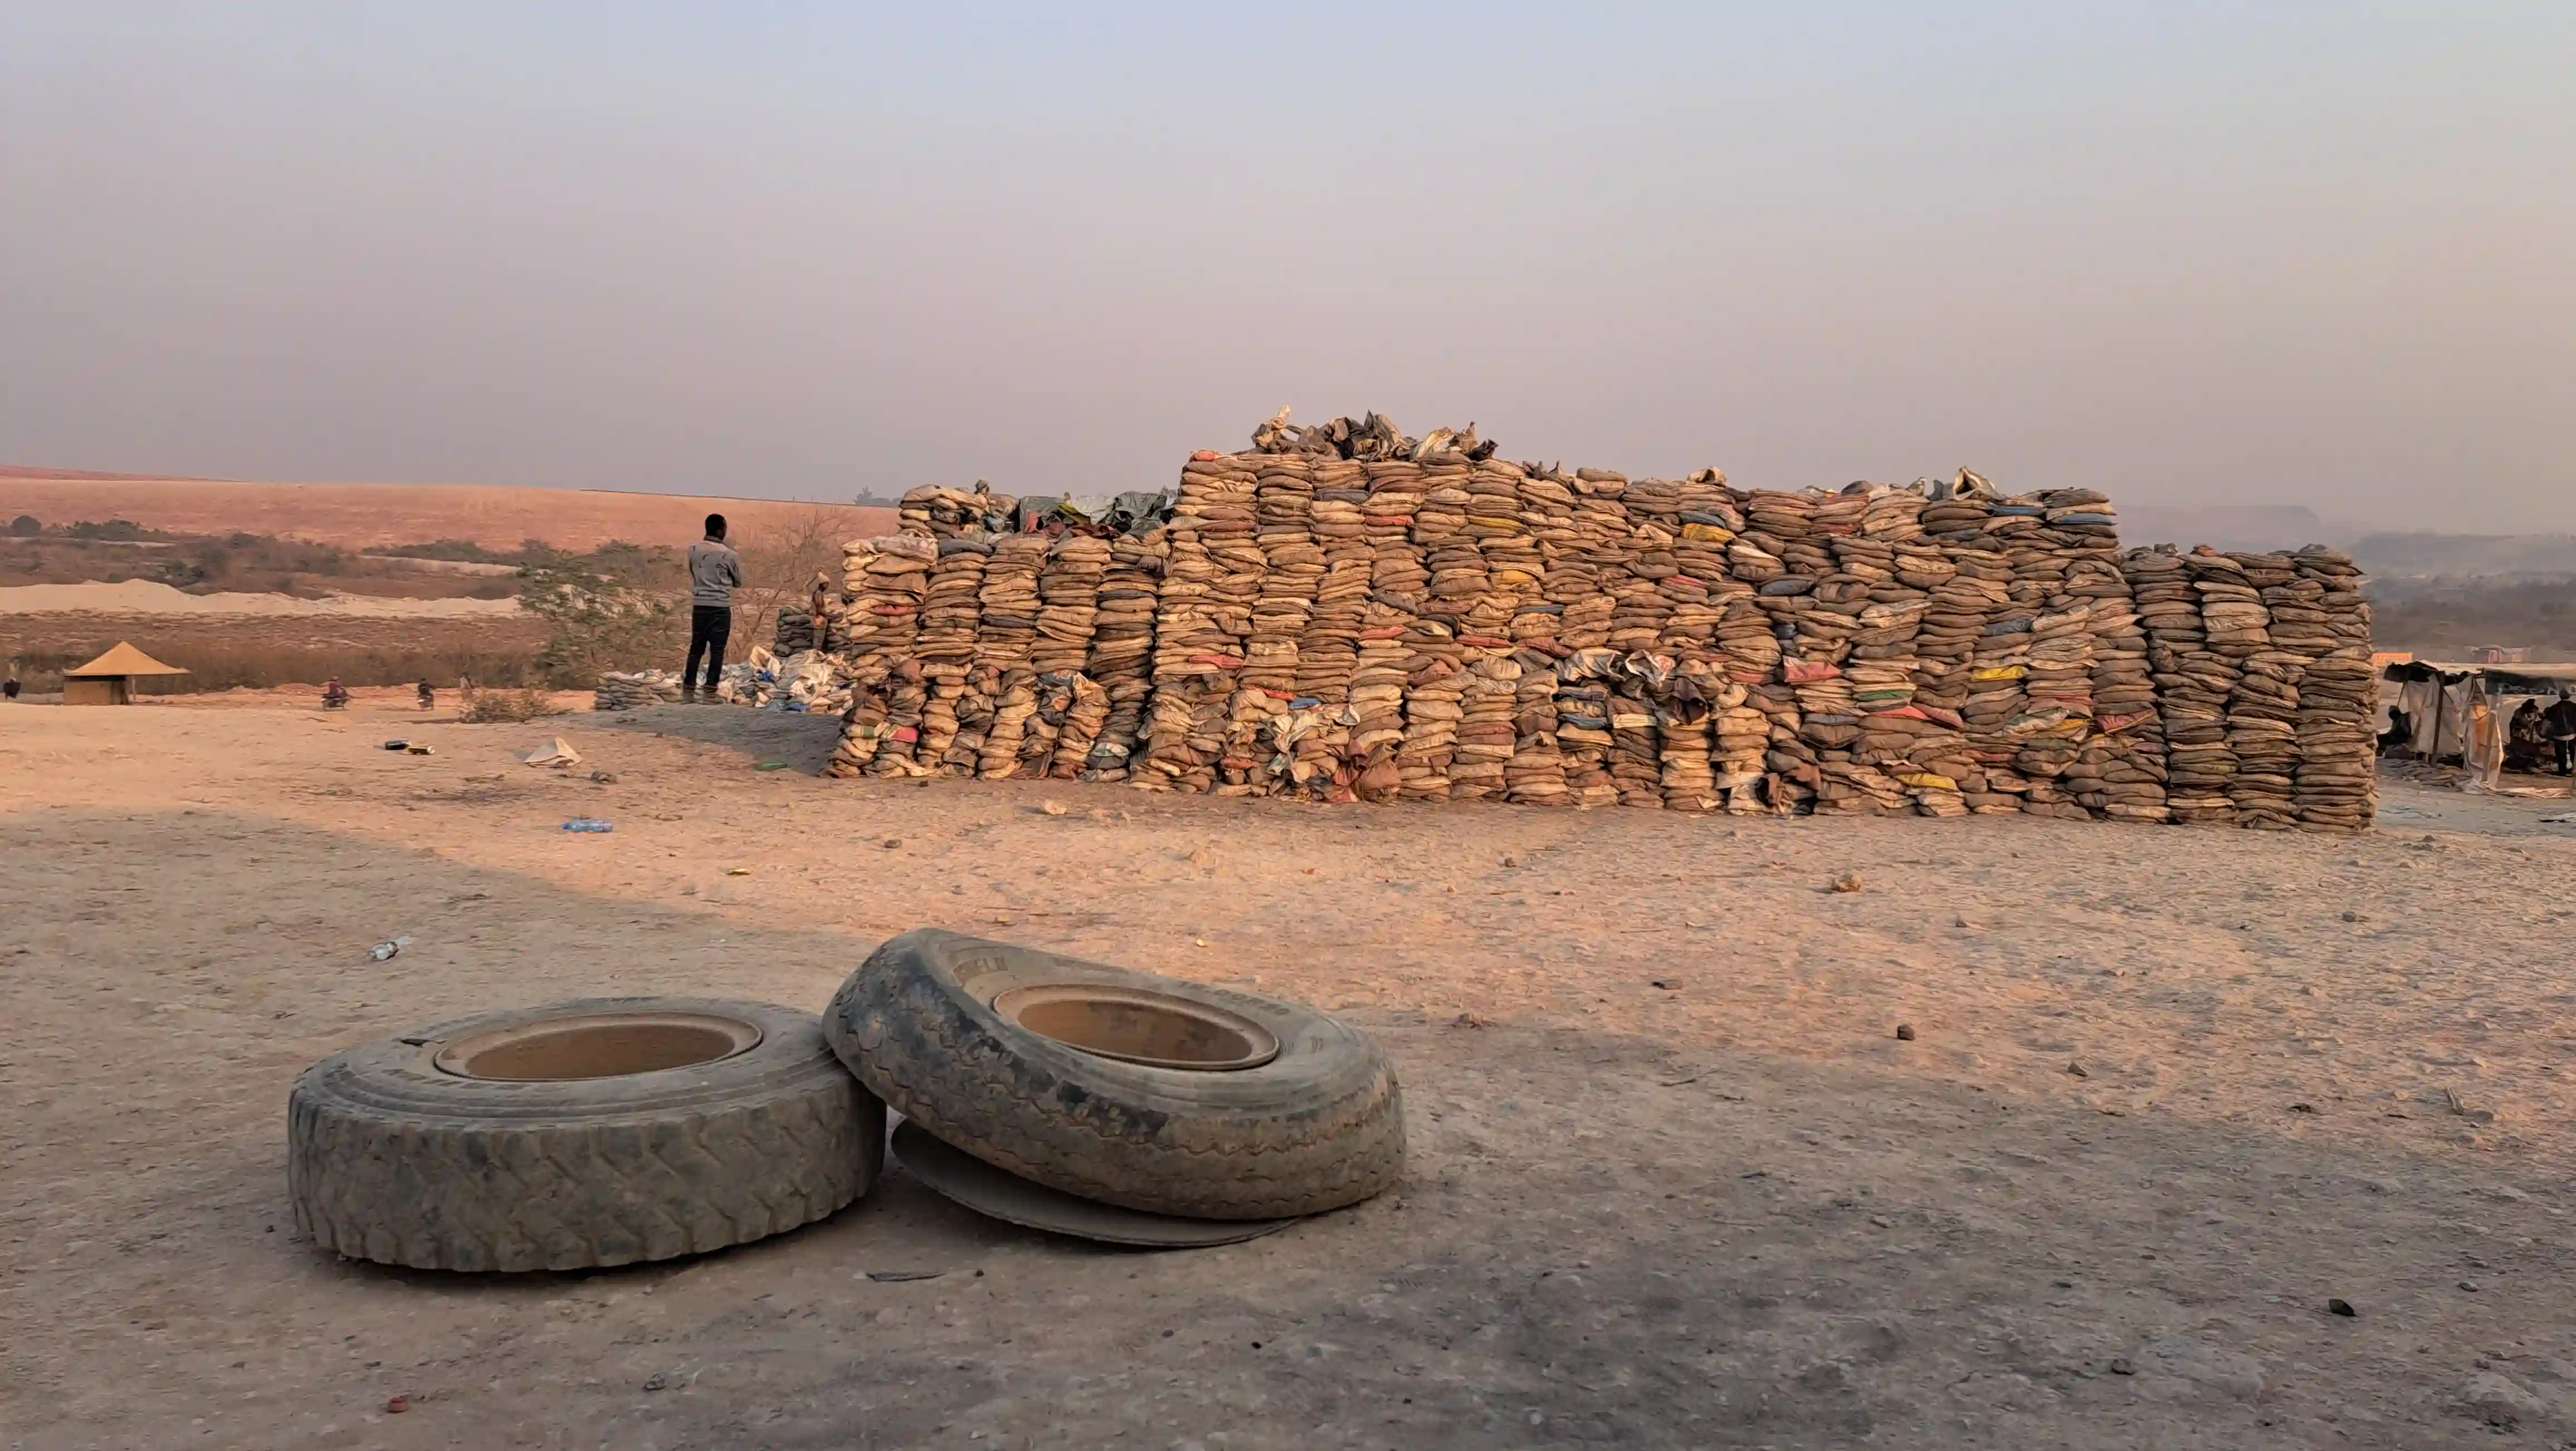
491,707
258,653
780,557
619,607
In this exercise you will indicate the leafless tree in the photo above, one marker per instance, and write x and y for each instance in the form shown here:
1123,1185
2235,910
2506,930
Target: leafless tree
778,567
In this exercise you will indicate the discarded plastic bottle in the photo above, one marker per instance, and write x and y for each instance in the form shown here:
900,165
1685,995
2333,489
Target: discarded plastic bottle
588,823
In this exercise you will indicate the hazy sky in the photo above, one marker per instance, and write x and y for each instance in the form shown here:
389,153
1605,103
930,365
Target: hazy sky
2320,254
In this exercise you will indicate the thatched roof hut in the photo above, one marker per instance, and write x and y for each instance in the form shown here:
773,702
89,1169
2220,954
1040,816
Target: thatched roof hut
109,679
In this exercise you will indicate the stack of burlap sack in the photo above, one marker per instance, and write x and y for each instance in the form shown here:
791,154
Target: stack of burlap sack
2204,624
953,513
884,579
2336,785
2264,685
1211,581
620,690
2119,770
1348,613
1122,650
798,631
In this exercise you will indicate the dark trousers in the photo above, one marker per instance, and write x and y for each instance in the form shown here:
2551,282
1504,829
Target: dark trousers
2566,752
710,627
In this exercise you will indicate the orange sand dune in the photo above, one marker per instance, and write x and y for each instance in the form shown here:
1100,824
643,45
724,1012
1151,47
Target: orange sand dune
369,516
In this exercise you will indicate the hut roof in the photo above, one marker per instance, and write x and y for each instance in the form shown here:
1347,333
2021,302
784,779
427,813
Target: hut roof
123,660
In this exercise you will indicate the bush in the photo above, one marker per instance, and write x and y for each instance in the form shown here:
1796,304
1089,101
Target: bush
491,707
620,607
25,526
463,550
113,529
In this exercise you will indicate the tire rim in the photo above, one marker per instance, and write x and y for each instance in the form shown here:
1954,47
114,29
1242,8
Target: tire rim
597,1045
1134,1025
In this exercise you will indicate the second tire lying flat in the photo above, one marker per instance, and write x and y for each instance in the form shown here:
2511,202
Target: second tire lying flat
1135,1090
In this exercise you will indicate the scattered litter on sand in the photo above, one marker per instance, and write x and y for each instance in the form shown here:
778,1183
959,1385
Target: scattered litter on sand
557,753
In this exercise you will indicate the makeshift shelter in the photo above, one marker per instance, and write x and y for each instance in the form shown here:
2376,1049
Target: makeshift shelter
109,679
2458,709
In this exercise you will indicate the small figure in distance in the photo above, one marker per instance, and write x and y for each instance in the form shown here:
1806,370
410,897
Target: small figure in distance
335,696
428,697
822,605
2400,735
2524,750
2558,727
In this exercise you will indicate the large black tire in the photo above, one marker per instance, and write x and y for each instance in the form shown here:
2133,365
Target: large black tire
393,1159
1318,1127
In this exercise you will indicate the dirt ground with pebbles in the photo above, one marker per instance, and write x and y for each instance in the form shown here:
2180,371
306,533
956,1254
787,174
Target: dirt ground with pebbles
1675,1180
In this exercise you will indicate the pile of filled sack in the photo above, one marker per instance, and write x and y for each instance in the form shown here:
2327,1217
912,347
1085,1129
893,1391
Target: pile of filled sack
1346,613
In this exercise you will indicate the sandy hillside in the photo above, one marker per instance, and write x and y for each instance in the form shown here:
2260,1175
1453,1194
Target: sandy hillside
374,516
1673,1180
149,597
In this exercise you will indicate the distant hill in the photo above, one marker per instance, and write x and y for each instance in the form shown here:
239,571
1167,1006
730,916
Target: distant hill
2491,556
2230,526
2444,618
2387,554
33,471
376,516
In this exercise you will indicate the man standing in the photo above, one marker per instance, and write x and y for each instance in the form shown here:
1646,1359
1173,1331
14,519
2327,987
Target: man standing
715,572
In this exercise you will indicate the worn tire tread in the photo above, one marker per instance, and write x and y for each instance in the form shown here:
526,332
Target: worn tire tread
400,1173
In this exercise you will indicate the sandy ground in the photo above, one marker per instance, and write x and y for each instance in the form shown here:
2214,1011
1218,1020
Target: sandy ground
1674,1180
